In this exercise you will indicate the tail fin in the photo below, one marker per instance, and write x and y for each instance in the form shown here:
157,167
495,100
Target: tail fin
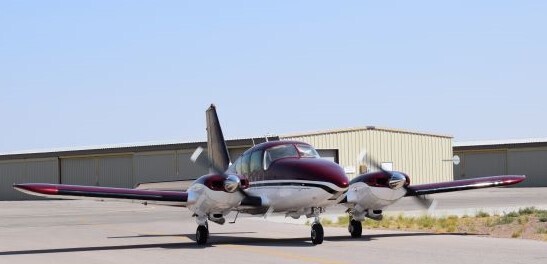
216,146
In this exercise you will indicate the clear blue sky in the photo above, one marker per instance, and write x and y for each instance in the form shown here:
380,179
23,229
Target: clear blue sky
78,73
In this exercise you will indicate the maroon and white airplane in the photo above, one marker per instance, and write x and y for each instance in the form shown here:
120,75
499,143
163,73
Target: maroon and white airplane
273,177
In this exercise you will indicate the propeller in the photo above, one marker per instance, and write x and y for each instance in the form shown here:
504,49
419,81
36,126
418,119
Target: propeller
395,181
232,183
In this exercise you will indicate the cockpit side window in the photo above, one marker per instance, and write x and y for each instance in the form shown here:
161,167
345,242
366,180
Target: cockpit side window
282,151
307,151
237,165
256,160
245,160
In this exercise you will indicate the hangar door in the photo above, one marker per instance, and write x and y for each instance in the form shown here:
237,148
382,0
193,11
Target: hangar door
156,166
480,164
328,154
24,171
530,163
186,169
108,171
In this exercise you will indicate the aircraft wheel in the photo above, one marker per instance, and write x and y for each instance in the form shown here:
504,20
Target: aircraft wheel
355,228
202,233
317,234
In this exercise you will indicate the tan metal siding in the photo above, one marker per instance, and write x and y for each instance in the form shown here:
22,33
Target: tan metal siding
155,166
418,155
26,171
530,162
116,171
79,171
483,163
186,169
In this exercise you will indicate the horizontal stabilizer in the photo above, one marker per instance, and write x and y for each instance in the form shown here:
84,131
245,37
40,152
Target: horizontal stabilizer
63,191
460,185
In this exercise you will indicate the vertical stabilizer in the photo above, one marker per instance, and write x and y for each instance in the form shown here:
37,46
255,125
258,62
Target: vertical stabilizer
216,146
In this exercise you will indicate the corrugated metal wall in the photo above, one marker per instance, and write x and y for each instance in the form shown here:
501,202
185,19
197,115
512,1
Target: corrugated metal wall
422,157
27,170
122,170
79,171
531,162
116,171
155,166
481,163
110,171
186,169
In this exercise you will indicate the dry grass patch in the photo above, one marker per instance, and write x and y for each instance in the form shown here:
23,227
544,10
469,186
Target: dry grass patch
528,223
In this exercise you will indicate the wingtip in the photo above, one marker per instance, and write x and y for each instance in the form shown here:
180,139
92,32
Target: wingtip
37,188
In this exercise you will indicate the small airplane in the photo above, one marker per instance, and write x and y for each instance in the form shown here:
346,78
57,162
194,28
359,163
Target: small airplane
274,177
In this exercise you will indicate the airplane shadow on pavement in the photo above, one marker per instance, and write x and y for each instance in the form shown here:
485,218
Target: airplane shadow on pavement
217,239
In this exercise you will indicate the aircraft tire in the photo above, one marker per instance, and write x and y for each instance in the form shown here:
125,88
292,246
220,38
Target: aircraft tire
355,228
202,233
317,234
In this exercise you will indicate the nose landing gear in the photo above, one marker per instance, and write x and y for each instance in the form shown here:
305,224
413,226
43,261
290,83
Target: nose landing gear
317,233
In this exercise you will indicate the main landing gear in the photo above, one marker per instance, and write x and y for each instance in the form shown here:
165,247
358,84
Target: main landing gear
202,233
317,233
355,228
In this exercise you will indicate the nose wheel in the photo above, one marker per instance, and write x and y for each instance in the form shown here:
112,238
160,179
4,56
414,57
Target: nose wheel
202,233
317,234
355,228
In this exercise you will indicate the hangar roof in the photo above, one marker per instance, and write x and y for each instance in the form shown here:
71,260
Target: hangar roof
352,129
503,143
125,148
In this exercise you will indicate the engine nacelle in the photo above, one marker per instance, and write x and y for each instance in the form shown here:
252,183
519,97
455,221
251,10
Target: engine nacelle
214,194
369,193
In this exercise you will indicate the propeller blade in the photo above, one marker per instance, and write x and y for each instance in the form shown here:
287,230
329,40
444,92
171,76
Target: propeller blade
204,161
426,203
362,158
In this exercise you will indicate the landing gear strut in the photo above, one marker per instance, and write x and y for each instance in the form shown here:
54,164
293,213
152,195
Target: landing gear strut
355,228
202,233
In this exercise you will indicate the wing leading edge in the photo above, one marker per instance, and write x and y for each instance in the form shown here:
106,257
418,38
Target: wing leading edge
460,185
63,191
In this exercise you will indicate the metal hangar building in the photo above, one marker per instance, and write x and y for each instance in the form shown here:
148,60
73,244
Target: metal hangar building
504,157
424,157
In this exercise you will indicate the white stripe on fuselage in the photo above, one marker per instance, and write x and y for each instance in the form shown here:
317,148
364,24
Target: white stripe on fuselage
298,195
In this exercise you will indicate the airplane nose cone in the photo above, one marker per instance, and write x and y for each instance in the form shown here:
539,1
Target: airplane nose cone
333,173
314,170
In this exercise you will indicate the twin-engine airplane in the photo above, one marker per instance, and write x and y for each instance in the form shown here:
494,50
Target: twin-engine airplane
274,177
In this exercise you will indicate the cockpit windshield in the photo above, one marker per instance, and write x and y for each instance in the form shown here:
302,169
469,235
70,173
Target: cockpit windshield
288,151
307,151
281,151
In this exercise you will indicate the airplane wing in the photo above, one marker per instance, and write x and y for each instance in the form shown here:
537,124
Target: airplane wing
460,185
63,191
180,186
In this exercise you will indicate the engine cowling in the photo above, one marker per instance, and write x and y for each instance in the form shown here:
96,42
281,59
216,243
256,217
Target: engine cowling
373,191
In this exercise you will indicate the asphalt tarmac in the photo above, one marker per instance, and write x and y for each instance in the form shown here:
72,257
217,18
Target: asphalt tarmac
98,232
